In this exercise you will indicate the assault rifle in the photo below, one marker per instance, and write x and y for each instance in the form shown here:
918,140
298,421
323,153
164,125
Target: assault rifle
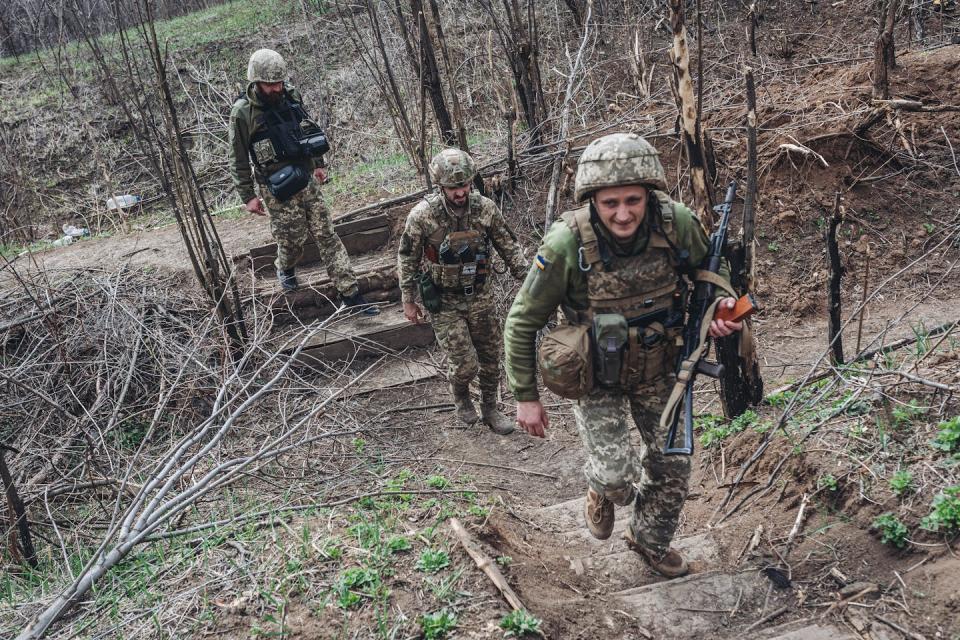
695,342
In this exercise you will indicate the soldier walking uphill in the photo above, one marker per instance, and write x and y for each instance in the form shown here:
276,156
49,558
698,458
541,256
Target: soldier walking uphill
270,129
450,233
617,267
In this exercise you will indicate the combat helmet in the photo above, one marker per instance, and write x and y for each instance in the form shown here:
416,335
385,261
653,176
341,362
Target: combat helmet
618,159
452,168
266,65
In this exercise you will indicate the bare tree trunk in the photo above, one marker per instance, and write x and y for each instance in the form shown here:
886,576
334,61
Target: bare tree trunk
572,85
680,55
752,29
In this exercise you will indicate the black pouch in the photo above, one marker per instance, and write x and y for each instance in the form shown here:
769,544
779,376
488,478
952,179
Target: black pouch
430,293
287,182
610,333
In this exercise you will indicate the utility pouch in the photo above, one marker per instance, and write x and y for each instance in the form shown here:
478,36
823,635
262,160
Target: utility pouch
565,361
429,293
610,336
287,182
450,276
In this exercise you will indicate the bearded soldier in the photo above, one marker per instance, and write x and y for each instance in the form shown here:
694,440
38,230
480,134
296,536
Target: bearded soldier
617,268
450,234
270,129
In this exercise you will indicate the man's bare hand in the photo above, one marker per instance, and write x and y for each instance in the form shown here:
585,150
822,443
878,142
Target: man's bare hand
413,312
532,417
255,205
320,174
721,328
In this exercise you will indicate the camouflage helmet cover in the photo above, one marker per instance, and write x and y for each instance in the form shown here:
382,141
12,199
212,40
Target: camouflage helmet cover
615,160
452,168
266,65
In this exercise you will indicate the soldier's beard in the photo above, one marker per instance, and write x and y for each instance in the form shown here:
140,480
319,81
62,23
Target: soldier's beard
272,99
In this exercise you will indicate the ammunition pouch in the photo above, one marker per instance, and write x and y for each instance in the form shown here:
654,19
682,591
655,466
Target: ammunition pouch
463,263
565,361
315,144
287,182
430,294
610,336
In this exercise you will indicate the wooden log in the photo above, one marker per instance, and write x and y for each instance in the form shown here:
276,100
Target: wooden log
359,335
485,564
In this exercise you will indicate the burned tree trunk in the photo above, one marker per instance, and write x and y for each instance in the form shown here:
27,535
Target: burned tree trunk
687,105
431,76
458,122
519,38
741,385
836,274
19,541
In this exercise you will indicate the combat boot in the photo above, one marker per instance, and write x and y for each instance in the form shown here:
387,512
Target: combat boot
465,409
493,418
599,514
669,565
357,300
288,279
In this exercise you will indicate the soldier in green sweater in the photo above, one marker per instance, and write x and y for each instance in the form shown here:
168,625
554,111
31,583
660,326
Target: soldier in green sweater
617,265
270,130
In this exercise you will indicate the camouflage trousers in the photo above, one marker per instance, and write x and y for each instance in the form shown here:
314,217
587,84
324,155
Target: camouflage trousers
303,214
470,334
655,484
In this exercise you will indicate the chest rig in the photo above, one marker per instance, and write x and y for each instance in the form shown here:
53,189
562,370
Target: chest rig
636,303
457,251
285,133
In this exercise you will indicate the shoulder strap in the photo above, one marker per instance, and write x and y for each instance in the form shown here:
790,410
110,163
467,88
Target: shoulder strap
589,257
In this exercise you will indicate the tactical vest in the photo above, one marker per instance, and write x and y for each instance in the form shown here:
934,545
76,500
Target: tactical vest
645,290
278,130
457,260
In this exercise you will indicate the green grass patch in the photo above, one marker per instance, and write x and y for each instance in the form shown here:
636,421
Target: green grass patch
518,624
437,625
433,560
948,436
901,482
892,531
944,512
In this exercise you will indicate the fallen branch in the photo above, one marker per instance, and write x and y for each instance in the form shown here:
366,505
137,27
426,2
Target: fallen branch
485,564
807,151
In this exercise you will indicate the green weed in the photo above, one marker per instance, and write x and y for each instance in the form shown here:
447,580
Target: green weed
359,444
948,437
714,429
397,544
438,624
945,511
892,531
828,482
504,561
904,414
445,589
433,560
438,482
520,623
901,482
773,247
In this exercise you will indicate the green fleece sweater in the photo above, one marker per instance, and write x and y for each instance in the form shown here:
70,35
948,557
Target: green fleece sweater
558,280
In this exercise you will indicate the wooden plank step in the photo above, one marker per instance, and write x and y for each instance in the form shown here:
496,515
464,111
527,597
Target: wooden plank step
393,372
695,605
359,334
358,236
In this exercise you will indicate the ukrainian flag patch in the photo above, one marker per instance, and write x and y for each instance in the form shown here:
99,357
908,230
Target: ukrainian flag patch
541,262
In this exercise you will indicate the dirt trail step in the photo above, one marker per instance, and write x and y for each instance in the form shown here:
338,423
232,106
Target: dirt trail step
708,601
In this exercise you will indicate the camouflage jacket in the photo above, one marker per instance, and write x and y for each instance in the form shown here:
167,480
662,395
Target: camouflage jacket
430,216
555,279
245,117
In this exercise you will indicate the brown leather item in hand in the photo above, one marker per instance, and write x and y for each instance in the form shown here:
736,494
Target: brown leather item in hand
746,306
